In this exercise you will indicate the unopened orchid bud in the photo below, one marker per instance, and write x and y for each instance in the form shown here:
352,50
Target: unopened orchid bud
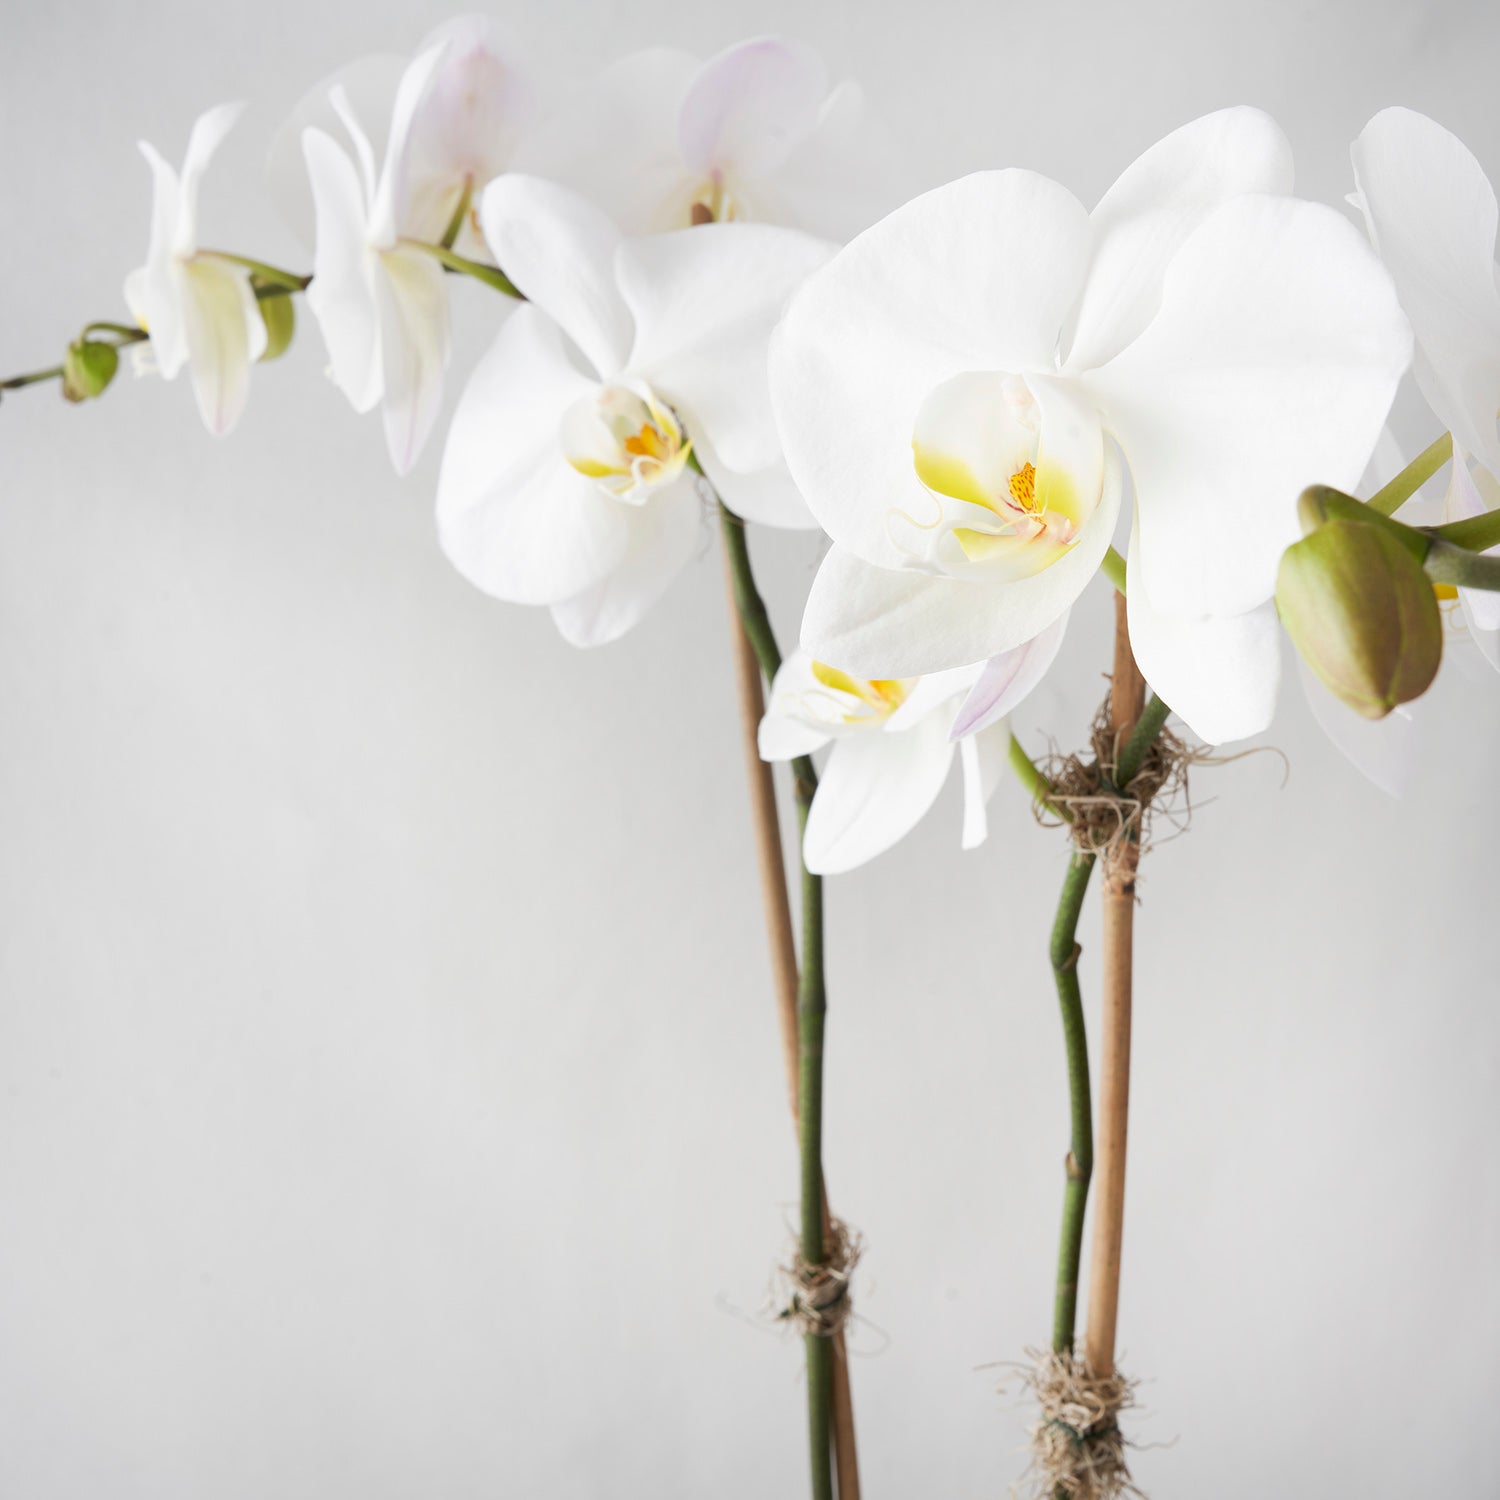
280,318
88,369
1362,613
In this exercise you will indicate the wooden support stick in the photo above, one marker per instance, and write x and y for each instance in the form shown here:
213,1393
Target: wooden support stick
1127,698
773,892
783,953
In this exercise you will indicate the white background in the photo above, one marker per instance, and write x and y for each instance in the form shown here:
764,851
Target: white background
390,1102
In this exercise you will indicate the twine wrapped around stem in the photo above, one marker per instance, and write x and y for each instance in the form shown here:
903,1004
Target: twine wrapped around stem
1077,1448
817,1296
1103,816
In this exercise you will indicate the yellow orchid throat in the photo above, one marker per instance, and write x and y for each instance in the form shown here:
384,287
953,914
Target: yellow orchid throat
627,439
1014,474
879,697
1038,508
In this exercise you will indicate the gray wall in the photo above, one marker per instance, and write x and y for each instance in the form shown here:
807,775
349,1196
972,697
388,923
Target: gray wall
390,1101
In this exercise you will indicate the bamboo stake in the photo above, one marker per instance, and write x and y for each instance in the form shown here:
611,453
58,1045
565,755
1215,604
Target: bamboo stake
773,890
783,953
1127,699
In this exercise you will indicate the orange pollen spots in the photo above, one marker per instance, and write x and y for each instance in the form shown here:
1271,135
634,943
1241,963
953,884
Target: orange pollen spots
647,443
1023,487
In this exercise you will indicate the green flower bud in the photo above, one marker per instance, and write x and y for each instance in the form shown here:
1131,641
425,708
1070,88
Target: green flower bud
280,318
1362,612
88,369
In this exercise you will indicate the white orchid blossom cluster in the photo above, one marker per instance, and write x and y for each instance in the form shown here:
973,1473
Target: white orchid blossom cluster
700,305
977,398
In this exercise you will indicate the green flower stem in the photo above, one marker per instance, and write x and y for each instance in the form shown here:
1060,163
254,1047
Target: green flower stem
36,377
747,600
466,267
812,1005
1034,782
1139,741
1446,563
129,333
1113,568
460,213
273,275
1450,554
1079,1165
1477,534
1390,497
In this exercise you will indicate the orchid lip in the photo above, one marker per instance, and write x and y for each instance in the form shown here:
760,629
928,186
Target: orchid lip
1009,497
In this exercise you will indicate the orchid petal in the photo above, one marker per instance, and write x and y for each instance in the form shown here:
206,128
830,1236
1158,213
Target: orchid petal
224,333
151,291
750,107
975,276
388,203
479,104
1270,365
838,181
1487,641
1154,205
615,142
704,302
369,89
414,349
983,756
898,623
513,516
930,692
1432,215
874,790
1383,750
1007,680
802,713
1220,674
664,534
559,250
341,295
766,496
208,133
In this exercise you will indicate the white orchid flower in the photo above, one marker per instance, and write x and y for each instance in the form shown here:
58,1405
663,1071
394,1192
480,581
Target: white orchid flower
1432,217
481,101
956,390
891,755
662,140
893,744
378,294
199,308
566,480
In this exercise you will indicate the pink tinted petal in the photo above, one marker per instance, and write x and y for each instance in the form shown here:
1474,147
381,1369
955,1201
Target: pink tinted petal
750,107
983,757
1007,679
